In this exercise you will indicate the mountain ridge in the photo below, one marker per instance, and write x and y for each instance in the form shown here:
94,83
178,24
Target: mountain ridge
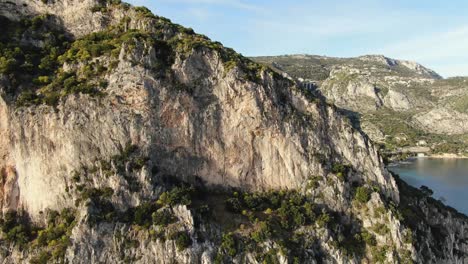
412,65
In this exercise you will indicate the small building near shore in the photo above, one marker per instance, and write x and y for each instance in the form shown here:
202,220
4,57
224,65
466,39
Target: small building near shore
421,143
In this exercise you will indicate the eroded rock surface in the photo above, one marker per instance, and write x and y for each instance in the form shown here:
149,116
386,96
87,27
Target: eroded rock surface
175,109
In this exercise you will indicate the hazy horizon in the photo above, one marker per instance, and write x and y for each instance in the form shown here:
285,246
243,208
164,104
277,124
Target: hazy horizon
432,33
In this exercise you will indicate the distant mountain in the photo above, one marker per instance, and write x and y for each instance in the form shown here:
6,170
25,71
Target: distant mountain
397,103
126,138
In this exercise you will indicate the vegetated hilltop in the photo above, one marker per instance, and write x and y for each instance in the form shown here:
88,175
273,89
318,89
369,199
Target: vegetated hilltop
127,138
397,103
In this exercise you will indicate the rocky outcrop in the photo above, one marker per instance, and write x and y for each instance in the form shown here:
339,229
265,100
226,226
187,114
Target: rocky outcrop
420,69
411,65
397,101
443,121
345,90
76,18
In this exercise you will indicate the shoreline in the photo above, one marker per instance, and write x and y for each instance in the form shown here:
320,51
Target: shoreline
445,156
448,156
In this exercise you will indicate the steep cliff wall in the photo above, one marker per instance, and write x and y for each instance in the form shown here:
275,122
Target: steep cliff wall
176,107
220,127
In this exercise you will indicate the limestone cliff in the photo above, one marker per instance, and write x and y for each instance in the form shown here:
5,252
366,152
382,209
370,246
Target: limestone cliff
117,143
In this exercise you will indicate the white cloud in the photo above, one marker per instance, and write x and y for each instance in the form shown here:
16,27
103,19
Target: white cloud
338,19
200,13
438,50
318,26
232,3
451,69
435,46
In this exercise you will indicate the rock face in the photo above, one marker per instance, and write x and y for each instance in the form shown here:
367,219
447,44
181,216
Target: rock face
397,101
200,118
359,93
411,65
443,121
230,132
76,18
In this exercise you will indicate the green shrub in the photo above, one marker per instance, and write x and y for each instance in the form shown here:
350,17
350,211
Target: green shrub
42,80
177,195
102,210
340,170
52,240
368,238
16,228
313,182
43,258
362,194
95,193
291,216
163,218
182,240
323,219
234,204
28,98
143,214
7,65
38,21
230,244
352,245
138,163
19,234
143,11
269,257
379,254
158,235
406,258
379,211
381,229
262,233
254,202
115,2
98,8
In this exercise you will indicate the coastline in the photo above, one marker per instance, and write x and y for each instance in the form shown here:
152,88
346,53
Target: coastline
421,171
445,156
431,156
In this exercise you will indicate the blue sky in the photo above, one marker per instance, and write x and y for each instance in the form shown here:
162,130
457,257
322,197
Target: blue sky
433,33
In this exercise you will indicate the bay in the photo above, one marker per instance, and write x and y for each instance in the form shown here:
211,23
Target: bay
448,178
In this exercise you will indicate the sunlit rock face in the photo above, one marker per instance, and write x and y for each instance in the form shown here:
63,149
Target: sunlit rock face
229,132
195,118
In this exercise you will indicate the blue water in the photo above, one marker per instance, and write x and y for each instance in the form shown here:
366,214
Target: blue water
448,178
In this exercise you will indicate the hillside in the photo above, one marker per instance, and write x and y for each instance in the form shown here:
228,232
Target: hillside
125,138
400,104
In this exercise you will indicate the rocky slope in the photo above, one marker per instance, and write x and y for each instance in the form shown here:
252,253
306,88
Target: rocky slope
398,103
127,138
